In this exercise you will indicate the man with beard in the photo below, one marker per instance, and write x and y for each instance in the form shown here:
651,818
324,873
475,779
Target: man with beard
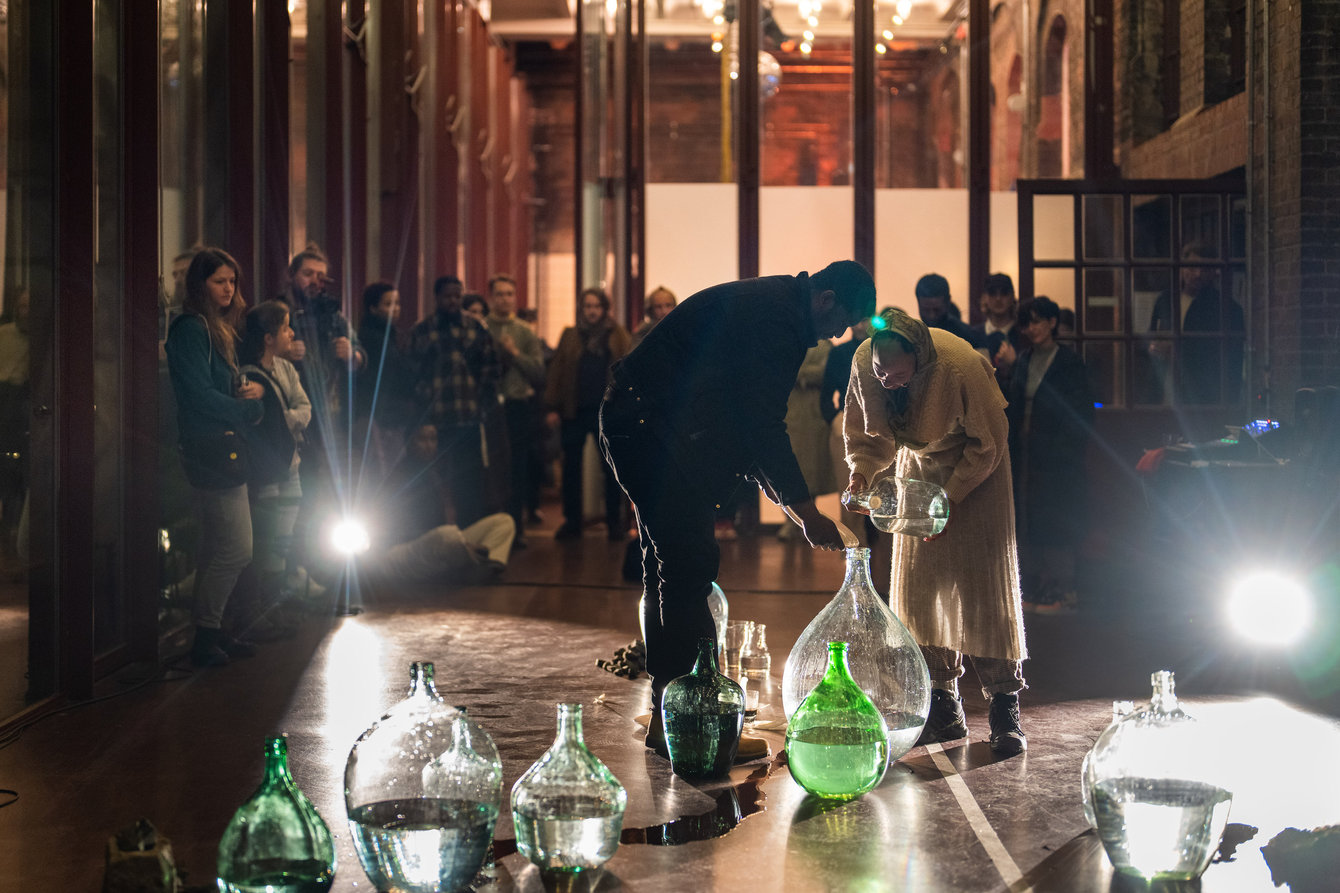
326,354
456,373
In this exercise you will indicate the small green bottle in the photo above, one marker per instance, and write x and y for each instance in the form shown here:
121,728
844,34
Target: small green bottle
703,713
276,841
836,742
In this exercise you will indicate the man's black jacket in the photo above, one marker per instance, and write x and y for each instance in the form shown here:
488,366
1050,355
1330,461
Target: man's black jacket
714,377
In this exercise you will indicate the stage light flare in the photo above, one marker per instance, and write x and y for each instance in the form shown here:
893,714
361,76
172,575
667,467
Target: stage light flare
349,537
1270,608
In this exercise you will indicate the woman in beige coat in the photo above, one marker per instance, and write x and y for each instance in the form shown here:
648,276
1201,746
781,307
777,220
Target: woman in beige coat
923,404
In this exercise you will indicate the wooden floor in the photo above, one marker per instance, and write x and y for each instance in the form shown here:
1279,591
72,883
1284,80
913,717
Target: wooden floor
183,749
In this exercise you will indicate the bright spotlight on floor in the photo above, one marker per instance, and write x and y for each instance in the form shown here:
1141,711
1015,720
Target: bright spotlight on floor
1270,608
349,537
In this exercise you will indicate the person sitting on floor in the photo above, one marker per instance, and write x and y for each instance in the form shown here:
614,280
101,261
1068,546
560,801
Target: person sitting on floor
417,543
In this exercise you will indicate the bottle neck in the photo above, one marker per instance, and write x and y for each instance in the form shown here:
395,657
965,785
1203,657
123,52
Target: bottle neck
706,664
1163,700
570,723
837,661
276,760
421,685
858,569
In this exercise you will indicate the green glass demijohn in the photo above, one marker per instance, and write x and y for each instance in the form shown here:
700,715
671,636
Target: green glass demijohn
703,714
836,742
568,807
276,841
423,787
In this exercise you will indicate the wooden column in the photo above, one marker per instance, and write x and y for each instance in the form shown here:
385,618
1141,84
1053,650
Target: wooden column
272,171
747,139
979,150
230,164
73,404
864,134
325,156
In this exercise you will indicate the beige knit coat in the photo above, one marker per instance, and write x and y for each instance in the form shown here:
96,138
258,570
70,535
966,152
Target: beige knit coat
960,591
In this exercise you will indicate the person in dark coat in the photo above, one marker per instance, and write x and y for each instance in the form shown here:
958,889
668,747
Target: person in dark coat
696,408
934,306
1051,417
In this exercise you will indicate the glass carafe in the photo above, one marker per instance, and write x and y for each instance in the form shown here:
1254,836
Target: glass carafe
423,786
836,742
703,712
1157,803
568,807
276,841
902,505
884,659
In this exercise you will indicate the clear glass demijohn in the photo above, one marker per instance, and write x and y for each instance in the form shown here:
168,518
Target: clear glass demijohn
423,787
902,505
568,807
1154,790
883,657
276,841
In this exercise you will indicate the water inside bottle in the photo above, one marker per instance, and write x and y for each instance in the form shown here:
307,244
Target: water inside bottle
422,845
1159,827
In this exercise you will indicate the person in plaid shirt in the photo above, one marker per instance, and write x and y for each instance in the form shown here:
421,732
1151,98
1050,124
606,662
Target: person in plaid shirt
456,373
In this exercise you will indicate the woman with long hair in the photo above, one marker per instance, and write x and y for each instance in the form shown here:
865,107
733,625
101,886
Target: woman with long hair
214,405
383,397
577,381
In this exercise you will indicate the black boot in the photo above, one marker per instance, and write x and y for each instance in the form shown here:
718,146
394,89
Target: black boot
206,650
946,721
1007,737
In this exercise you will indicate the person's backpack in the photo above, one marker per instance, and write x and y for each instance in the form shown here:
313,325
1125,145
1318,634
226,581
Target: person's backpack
270,442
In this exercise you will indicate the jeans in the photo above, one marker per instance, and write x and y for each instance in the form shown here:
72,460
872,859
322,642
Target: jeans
574,433
274,513
675,526
225,551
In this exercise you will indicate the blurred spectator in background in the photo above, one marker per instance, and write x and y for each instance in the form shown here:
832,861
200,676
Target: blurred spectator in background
660,302
523,375
383,402
1003,340
808,430
455,371
1051,417
416,544
934,303
578,378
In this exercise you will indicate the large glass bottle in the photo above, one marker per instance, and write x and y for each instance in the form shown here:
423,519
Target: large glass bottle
836,742
1157,804
902,505
276,841
703,713
423,787
568,807
884,659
